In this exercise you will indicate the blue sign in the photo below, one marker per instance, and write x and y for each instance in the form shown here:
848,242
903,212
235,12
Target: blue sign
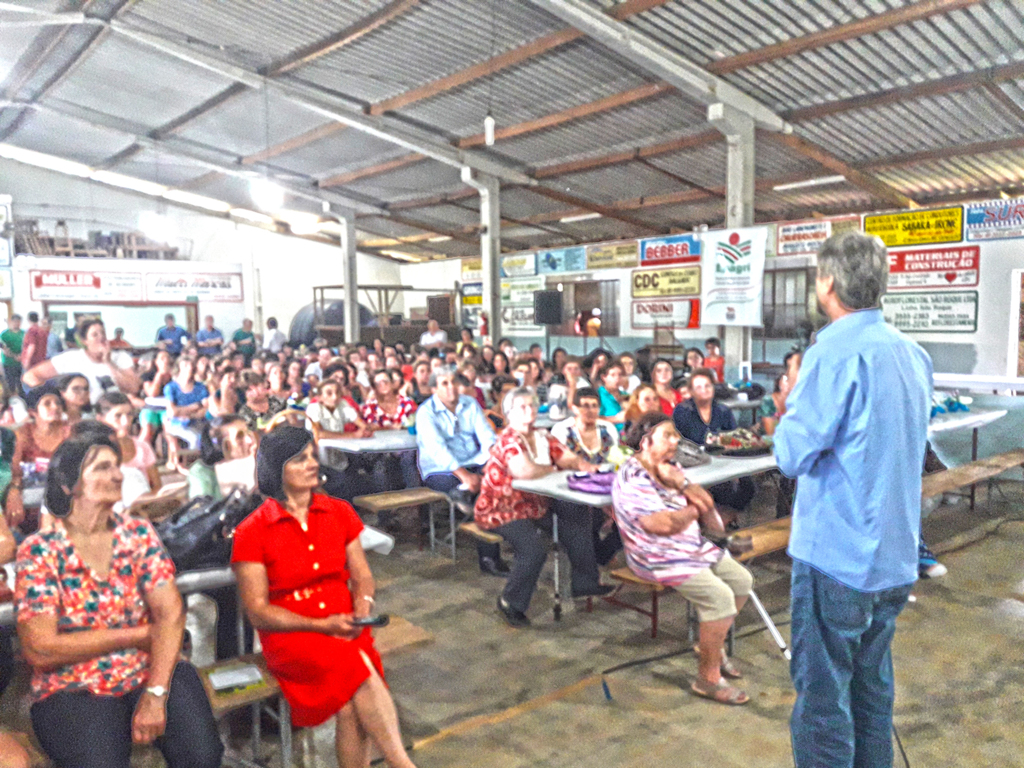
995,219
562,260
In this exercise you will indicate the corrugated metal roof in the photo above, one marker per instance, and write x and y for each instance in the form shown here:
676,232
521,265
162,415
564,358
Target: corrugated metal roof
428,42
619,182
131,81
343,151
567,77
252,33
956,174
162,168
626,126
416,180
251,122
45,131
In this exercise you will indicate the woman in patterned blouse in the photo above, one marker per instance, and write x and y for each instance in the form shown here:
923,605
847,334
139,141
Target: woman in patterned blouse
100,621
660,514
523,453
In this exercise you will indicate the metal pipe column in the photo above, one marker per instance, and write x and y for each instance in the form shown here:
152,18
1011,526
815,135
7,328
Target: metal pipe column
490,245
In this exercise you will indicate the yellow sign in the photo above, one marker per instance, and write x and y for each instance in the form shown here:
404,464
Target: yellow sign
677,281
472,270
937,225
610,255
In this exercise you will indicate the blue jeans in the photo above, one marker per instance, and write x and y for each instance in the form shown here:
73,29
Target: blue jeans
842,671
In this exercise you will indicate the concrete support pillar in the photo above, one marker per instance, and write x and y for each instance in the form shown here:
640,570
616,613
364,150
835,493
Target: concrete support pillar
738,129
490,245
349,272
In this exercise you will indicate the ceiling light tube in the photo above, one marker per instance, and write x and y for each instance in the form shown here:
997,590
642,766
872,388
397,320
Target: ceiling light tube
819,182
253,217
129,182
40,160
580,217
197,201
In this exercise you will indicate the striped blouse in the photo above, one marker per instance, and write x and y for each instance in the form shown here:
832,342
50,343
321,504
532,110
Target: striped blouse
669,560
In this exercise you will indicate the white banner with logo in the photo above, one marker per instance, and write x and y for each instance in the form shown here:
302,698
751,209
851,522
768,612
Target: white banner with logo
211,286
732,278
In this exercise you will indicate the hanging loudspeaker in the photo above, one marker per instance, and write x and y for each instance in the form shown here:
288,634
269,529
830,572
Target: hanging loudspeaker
547,307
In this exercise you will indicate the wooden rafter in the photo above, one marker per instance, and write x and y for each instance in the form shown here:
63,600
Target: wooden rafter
1004,99
865,181
849,31
503,61
944,153
391,165
608,211
935,87
617,158
345,37
608,103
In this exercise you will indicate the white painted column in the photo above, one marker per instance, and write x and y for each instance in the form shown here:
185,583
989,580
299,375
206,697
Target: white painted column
490,245
350,277
738,129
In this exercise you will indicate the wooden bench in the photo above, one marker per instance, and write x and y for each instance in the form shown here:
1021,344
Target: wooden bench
948,480
390,501
478,533
625,576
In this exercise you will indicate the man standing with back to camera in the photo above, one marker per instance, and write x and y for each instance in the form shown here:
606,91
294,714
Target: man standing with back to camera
854,433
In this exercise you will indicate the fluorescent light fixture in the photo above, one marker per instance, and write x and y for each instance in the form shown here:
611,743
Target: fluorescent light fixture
197,201
819,182
40,160
439,239
129,182
489,130
253,217
301,223
156,226
267,195
404,256
580,217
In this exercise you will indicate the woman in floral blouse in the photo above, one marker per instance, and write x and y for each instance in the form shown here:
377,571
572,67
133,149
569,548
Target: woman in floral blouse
523,453
100,622
387,409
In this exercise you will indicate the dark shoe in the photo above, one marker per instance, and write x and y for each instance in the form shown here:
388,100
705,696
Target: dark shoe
493,567
599,591
513,617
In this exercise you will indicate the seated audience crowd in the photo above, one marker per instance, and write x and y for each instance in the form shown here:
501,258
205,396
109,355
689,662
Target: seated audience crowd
80,474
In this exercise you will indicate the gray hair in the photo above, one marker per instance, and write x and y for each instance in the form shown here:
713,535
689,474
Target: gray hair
859,267
444,372
515,394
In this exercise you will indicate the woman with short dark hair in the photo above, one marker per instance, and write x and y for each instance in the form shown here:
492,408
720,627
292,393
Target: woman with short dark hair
303,578
100,622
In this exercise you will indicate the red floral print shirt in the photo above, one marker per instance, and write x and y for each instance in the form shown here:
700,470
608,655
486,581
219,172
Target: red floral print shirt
374,414
53,580
498,502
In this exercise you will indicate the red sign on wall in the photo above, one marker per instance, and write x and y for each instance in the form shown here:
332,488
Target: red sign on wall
53,285
953,267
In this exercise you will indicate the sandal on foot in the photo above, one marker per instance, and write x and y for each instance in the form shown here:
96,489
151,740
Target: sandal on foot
728,669
723,693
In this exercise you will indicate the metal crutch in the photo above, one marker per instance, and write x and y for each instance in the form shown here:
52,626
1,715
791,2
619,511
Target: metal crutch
772,629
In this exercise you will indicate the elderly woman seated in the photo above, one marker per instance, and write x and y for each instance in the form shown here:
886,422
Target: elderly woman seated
100,622
304,581
660,515
523,453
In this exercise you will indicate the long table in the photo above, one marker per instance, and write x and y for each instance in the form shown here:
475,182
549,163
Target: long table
972,382
383,441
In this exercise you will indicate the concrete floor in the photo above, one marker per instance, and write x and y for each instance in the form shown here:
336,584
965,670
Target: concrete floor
486,695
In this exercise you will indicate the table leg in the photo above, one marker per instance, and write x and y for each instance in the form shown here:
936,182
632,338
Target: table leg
558,594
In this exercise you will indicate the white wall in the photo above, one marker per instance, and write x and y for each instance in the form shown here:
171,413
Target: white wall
279,269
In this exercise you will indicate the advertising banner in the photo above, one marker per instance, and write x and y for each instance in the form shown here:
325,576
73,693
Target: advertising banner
610,255
222,286
518,321
797,238
53,285
472,270
995,219
672,281
519,265
937,225
677,249
680,313
934,267
562,260
732,278
947,312
519,292
473,294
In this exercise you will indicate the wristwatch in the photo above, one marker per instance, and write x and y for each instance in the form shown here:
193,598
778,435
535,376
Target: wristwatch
157,690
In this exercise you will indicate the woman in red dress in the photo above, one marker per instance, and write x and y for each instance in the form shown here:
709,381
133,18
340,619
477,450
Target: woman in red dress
301,591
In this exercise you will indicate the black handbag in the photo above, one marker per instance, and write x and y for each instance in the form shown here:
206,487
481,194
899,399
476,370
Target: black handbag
200,534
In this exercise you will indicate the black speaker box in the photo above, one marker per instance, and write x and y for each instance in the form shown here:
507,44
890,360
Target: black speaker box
547,307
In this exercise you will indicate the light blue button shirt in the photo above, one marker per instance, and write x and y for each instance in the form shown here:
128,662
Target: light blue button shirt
854,434
447,441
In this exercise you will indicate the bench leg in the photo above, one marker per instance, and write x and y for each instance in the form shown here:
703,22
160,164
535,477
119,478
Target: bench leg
433,531
284,723
256,724
558,594
654,613
974,457
451,524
